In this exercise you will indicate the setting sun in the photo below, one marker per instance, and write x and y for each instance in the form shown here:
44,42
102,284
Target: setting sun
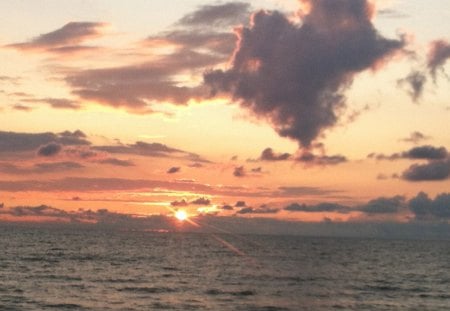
181,215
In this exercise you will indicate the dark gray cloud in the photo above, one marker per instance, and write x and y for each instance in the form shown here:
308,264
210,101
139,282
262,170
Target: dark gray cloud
63,39
39,168
416,137
295,74
438,55
173,170
116,162
383,205
425,152
18,142
269,155
201,201
425,208
49,150
432,171
415,81
321,160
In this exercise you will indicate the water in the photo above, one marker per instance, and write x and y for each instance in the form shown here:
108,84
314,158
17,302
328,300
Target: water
62,269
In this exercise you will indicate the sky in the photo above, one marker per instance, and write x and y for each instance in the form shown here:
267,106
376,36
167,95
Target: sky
266,112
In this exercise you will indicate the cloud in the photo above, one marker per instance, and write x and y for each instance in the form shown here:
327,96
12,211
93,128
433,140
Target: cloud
201,201
64,39
322,160
57,103
219,15
425,208
239,171
383,205
173,170
116,162
432,171
240,204
227,207
269,155
150,150
295,74
425,152
261,210
438,55
416,137
182,202
318,208
415,81
20,142
21,107
49,150
81,184
39,168
301,191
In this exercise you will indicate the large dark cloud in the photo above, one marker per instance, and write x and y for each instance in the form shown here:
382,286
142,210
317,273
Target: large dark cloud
432,171
425,208
63,39
295,74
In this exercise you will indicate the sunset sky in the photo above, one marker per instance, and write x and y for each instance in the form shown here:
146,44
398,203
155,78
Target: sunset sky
311,111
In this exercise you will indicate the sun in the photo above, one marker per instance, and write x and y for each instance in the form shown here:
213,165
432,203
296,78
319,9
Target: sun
181,215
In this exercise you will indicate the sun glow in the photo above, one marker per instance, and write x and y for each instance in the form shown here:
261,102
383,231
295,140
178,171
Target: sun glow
181,215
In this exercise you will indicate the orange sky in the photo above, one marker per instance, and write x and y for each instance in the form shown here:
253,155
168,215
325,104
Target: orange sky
260,109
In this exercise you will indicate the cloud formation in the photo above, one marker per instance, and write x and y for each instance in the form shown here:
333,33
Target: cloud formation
269,155
425,208
438,55
425,152
416,137
295,74
63,40
173,170
19,142
432,171
49,150
320,160
199,40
